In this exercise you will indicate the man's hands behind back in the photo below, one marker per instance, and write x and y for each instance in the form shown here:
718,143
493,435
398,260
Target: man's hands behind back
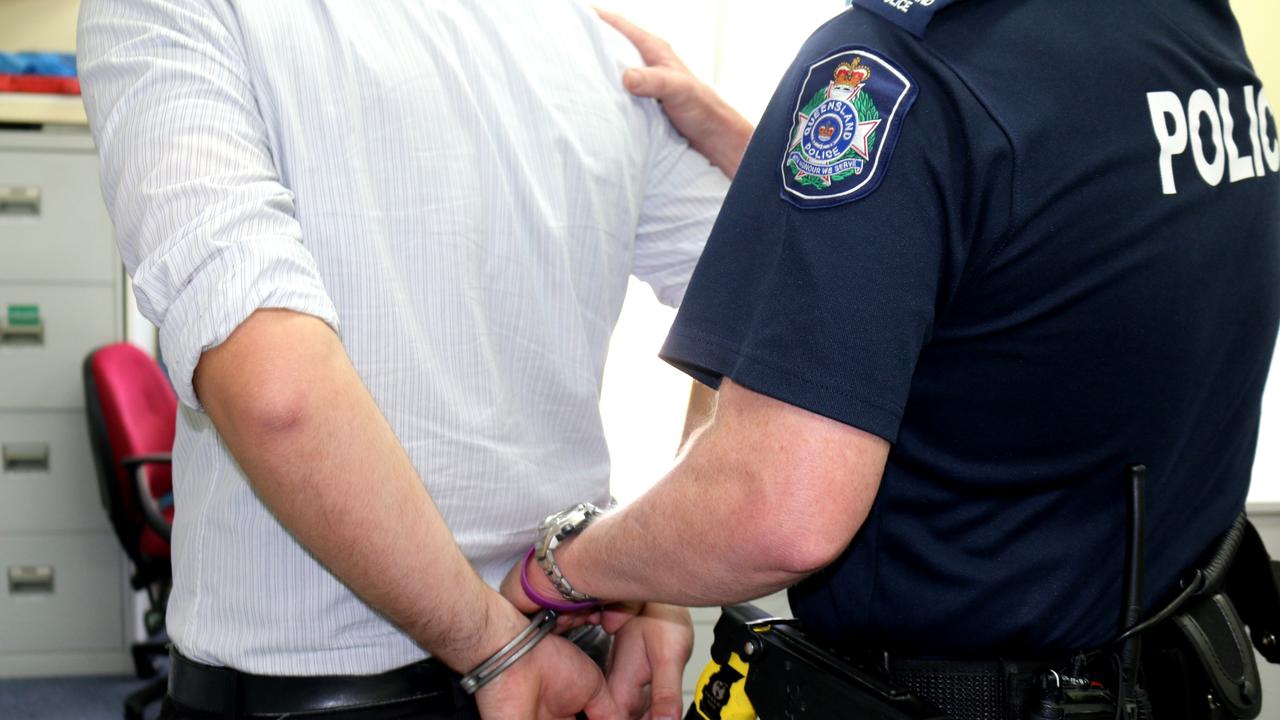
652,644
555,680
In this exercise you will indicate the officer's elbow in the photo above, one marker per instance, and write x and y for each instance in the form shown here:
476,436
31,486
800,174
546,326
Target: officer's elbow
799,555
806,482
812,522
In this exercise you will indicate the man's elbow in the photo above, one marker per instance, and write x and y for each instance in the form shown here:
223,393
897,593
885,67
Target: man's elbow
261,408
263,381
279,412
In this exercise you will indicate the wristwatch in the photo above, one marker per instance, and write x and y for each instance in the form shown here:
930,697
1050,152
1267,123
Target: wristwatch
557,528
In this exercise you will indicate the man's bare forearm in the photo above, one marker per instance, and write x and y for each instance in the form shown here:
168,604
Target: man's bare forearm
296,416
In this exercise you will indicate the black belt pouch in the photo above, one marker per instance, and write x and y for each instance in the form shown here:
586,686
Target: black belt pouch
1200,664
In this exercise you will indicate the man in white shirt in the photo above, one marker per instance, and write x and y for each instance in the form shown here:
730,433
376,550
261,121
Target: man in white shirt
385,245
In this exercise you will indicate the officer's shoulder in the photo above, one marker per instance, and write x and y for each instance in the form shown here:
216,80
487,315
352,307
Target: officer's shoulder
862,25
847,100
911,16
842,108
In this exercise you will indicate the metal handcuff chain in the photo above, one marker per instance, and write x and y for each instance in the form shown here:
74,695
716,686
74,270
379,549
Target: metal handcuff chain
541,626
554,530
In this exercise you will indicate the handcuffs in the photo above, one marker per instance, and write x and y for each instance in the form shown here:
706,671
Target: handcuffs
552,531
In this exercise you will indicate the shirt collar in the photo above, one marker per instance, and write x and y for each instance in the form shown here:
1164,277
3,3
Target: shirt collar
912,15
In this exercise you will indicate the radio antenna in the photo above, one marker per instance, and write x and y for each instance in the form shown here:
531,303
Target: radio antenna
1133,601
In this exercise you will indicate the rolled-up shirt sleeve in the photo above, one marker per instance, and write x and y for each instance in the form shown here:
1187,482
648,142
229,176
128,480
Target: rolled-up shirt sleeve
205,226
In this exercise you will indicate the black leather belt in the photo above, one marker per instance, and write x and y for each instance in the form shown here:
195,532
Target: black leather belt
231,693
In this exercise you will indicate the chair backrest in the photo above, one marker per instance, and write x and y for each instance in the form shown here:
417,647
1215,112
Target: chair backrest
132,411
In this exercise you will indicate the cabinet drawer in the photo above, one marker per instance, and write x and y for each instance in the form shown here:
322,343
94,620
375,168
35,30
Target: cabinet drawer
53,224
47,331
60,593
48,482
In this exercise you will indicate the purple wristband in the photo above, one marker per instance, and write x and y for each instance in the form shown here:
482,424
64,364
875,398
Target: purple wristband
542,600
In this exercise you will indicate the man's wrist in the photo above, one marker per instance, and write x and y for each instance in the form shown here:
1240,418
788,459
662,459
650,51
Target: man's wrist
484,625
499,662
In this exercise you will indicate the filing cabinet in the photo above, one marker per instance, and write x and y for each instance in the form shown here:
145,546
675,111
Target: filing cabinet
45,462
50,233
63,595
52,575
41,369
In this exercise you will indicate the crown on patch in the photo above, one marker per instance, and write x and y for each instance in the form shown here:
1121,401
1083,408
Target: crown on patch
852,74
826,132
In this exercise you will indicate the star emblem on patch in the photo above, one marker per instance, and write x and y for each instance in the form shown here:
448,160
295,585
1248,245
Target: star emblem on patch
847,119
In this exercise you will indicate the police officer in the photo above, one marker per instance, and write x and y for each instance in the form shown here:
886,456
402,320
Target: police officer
978,258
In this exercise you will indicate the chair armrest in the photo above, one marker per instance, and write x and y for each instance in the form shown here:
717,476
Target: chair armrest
130,463
150,506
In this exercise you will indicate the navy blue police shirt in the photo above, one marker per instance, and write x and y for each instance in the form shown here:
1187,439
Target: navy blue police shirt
1029,244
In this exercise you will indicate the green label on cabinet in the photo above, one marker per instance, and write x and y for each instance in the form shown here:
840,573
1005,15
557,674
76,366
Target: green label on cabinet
24,315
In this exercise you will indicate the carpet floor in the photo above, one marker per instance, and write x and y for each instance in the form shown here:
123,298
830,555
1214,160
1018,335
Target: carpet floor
78,698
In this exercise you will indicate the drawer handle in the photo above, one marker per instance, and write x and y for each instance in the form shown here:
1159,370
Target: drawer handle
25,457
19,202
14,335
29,580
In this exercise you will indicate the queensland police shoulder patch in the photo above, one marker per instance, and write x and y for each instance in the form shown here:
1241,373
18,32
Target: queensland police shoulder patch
847,120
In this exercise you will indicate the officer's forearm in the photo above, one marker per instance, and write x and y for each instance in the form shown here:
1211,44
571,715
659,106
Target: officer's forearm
764,496
296,416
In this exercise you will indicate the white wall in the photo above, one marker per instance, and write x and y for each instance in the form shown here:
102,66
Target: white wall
1258,19
1266,466
38,25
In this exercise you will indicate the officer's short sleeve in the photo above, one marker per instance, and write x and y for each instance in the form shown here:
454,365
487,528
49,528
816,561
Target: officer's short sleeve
873,187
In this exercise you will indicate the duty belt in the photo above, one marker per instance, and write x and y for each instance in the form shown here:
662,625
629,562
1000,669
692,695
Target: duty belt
1197,657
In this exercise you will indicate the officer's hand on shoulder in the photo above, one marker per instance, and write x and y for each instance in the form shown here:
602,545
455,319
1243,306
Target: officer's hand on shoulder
710,124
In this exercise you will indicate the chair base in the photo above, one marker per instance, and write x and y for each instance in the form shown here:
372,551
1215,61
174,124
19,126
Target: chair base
143,657
135,705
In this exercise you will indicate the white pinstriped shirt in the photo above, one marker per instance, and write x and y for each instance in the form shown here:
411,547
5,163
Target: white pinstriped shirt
461,188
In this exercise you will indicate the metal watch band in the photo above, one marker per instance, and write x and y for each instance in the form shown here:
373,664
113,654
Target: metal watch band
542,601
554,530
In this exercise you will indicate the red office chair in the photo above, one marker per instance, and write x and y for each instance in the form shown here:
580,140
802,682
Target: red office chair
132,413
